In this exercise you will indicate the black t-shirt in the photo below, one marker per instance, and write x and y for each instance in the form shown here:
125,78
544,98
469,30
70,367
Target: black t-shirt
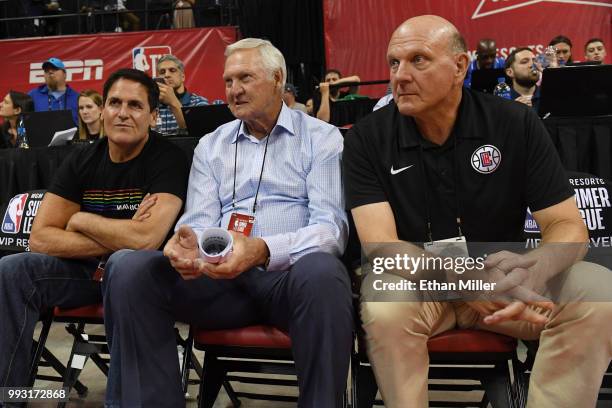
498,161
114,190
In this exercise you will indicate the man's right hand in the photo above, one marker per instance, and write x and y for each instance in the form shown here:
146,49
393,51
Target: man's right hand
167,95
497,312
182,250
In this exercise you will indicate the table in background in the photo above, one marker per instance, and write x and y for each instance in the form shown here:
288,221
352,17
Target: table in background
31,169
584,143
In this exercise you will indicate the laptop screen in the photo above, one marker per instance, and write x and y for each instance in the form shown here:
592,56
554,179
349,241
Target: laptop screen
577,91
41,126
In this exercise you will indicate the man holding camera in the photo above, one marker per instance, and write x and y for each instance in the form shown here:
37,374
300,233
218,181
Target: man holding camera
173,96
272,178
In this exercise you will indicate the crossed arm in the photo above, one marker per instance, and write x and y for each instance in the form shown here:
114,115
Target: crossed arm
61,229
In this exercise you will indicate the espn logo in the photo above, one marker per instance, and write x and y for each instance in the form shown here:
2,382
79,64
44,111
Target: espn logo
76,70
145,58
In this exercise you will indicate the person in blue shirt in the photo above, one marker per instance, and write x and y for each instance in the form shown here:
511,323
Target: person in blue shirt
273,178
486,58
173,95
55,94
521,68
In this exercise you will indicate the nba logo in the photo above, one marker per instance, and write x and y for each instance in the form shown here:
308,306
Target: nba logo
13,216
145,58
531,226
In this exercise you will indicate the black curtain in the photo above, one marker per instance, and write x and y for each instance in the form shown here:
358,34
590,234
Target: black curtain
295,27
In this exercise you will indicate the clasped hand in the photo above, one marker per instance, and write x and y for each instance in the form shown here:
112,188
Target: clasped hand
515,290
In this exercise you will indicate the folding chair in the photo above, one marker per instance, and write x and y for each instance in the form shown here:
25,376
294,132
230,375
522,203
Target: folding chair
86,346
486,357
252,349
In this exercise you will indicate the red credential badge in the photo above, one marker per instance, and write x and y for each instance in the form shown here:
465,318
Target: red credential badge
241,223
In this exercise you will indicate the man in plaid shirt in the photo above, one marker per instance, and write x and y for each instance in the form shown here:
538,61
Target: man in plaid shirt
173,96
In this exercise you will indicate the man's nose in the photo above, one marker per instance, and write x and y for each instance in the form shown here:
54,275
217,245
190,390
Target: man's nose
235,89
123,111
404,72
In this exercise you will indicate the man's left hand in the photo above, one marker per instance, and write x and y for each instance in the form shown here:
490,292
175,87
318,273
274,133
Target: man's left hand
515,277
246,254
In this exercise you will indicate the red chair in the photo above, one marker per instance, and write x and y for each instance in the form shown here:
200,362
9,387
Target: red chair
86,346
486,357
242,350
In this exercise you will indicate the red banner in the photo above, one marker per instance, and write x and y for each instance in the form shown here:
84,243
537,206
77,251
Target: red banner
512,23
90,59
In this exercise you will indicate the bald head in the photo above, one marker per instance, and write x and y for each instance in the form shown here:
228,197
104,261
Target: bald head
427,59
486,51
434,28
486,44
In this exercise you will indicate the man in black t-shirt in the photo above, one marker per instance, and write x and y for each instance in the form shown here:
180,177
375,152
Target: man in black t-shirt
123,192
444,163
324,99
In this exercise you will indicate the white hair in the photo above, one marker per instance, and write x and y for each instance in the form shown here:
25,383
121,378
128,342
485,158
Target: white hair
271,58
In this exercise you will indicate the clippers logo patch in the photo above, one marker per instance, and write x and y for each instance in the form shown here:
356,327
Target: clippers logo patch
486,159
11,222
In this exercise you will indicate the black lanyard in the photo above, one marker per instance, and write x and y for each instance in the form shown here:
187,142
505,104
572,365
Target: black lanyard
426,190
260,173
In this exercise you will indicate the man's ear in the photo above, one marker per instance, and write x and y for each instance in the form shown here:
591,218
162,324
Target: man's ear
462,61
153,118
509,72
278,78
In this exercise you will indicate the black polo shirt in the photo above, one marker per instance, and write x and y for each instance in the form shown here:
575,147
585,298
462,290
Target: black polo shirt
498,161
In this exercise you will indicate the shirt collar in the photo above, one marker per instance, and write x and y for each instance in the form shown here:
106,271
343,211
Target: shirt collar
410,136
284,121
185,97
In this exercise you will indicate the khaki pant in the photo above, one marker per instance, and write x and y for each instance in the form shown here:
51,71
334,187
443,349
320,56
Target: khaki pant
575,345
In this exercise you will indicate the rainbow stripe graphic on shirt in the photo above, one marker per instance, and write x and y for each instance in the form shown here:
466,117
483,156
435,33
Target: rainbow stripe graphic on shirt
101,201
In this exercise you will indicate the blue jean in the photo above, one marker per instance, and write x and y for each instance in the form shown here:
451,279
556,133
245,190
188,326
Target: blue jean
145,296
113,381
31,283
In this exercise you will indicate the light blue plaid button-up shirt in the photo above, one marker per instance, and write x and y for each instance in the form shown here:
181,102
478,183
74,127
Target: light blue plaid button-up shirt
167,124
300,206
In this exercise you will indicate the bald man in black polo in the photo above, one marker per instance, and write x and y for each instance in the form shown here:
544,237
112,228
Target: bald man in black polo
442,162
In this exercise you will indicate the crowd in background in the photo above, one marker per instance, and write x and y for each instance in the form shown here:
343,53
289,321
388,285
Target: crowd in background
522,66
